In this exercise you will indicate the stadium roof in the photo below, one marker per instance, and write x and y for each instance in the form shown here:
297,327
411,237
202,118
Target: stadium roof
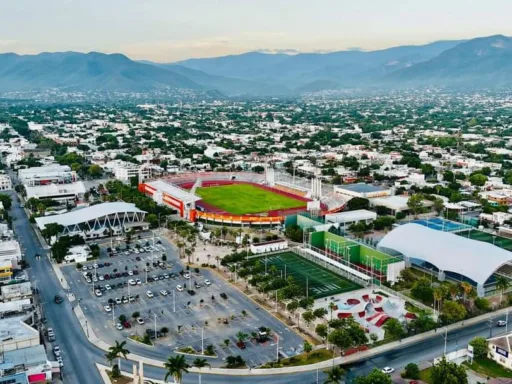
474,259
174,191
87,214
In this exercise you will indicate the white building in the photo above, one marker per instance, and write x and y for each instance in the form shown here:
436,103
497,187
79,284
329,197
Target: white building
10,251
351,217
124,171
15,334
59,192
269,246
5,182
499,350
50,174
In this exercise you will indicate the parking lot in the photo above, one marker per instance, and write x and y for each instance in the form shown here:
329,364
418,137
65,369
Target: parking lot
193,310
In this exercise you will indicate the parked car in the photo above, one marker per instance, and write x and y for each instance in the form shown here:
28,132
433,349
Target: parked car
388,370
107,308
58,299
207,282
132,282
179,288
149,294
163,292
119,326
98,293
56,351
140,320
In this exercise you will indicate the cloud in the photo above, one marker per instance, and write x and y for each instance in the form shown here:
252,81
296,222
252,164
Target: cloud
358,49
287,51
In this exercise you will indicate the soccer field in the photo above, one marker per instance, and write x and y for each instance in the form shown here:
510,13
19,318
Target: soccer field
240,199
321,282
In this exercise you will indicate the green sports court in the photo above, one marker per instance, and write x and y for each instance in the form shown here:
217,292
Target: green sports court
321,282
499,241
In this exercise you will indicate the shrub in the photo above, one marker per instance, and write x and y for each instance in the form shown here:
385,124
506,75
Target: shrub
412,371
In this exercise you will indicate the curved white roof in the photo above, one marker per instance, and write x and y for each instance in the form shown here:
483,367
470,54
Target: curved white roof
448,252
87,214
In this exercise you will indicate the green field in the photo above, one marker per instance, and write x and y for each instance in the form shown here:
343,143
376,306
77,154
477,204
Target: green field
241,199
321,282
498,241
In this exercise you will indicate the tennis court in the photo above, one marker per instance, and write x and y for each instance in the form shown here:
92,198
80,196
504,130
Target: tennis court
321,282
440,224
498,241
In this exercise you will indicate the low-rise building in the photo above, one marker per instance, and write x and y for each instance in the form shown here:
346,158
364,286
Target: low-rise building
351,217
499,350
124,171
5,182
58,192
33,361
269,246
50,174
16,334
366,191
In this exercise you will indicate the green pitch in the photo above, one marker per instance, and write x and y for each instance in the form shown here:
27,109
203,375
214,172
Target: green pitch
241,199
321,282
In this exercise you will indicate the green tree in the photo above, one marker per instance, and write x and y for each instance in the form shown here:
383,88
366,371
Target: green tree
358,203
445,372
394,329
95,171
200,363
117,351
438,205
334,375
50,230
176,366
308,317
422,290
453,312
478,179
412,371
307,348
321,330
375,377
415,203
479,345
502,284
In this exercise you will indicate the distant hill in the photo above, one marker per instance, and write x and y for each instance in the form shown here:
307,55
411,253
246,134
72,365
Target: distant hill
84,71
346,68
481,62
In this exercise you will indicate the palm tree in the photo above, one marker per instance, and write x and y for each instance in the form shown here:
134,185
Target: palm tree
466,288
334,376
116,352
200,363
176,366
331,307
241,337
438,297
502,283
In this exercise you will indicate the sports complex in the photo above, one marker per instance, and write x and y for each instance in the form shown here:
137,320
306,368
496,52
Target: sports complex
240,198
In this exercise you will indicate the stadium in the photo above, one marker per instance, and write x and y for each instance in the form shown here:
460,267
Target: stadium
242,198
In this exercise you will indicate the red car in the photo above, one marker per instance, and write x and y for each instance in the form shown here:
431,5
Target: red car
107,276
127,324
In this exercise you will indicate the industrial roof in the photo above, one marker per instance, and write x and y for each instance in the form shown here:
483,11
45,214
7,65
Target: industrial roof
474,259
350,216
87,214
55,190
361,188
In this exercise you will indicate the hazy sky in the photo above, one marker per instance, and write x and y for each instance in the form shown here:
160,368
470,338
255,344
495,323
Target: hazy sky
170,30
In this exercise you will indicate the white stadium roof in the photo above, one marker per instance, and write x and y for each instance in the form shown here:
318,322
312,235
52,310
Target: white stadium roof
174,191
87,214
474,259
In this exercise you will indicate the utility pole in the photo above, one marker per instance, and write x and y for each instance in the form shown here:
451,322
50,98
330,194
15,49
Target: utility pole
489,323
506,322
173,301
156,335
277,348
202,341
445,340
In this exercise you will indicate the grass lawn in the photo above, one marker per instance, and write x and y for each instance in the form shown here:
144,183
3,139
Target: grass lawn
319,281
314,357
425,375
240,199
489,368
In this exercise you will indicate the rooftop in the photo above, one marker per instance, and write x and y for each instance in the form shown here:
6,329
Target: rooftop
87,214
361,188
15,328
174,191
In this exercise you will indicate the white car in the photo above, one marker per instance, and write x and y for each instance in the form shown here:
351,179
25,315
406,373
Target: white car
119,326
149,294
127,253
137,251
163,292
179,288
101,278
118,300
107,308
130,273
140,320
88,280
138,281
59,360
98,293
186,276
388,370
95,266
207,282
108,287
56,351
95,279
132,282
84,268
501,323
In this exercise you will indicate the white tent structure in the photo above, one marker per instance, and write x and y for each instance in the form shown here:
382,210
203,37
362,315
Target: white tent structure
474,259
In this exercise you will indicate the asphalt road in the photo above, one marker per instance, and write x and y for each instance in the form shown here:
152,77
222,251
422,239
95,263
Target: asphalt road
79,354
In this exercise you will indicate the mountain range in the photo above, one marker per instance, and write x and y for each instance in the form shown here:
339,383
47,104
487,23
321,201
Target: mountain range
484,62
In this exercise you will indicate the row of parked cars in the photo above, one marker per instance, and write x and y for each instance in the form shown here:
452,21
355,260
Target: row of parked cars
56,349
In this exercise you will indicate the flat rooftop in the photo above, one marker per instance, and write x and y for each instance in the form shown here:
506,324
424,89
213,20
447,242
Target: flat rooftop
361,188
